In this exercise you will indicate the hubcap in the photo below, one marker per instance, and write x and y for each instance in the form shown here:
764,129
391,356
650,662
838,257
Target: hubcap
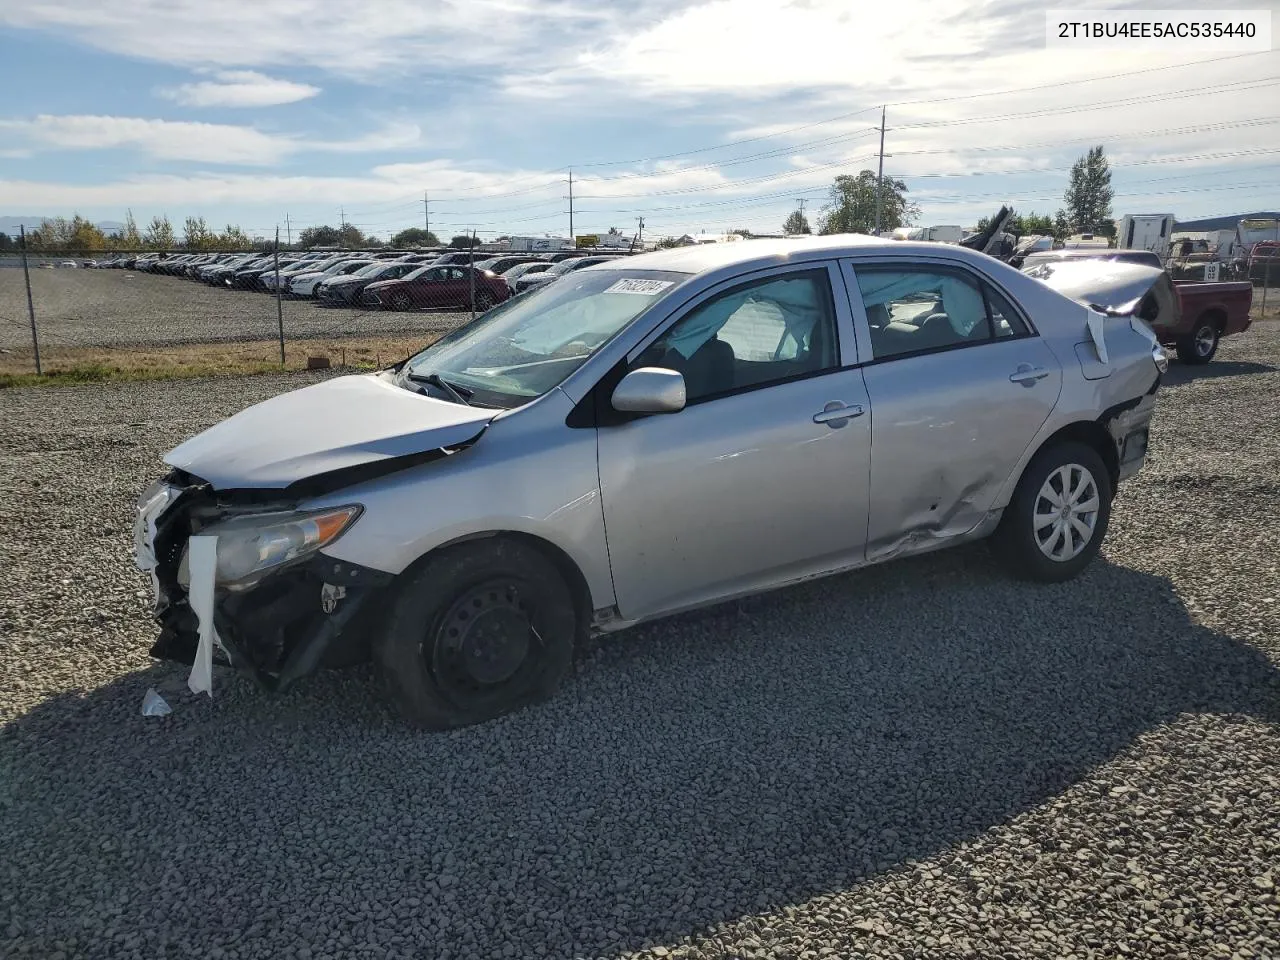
1205,338
1066,512
484,639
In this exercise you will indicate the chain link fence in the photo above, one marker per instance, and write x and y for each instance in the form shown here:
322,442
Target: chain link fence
89,317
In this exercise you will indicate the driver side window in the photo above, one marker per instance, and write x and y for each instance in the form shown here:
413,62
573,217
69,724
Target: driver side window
752,335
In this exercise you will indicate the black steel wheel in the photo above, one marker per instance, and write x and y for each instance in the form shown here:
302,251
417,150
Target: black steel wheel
477,631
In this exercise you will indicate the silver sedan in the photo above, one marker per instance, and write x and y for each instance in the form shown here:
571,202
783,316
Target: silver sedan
642,437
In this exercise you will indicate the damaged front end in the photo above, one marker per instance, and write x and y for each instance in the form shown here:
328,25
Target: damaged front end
280,608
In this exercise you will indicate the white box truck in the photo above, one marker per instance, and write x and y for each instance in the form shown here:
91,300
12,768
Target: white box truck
1146,231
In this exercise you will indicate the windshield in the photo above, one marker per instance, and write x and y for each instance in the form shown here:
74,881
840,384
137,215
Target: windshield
528,345
372,270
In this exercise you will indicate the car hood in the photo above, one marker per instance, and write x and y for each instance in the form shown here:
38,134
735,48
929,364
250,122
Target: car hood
341,423
1106,284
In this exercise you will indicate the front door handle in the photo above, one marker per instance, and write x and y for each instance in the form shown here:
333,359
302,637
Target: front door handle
837,414
1028,375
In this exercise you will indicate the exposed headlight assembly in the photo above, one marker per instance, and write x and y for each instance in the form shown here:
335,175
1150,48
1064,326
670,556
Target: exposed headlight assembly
254,545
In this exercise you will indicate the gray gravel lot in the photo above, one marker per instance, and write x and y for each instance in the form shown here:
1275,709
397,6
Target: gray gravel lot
119,308
921,760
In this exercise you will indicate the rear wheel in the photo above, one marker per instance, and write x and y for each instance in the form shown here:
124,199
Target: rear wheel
478,630
1055,523
1201,343
484,301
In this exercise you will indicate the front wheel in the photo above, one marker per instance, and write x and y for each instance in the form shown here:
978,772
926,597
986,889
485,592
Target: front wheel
478,630
1200,344
1055,523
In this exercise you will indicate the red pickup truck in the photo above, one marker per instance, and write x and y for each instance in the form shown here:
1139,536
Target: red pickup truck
1187,315
1207,312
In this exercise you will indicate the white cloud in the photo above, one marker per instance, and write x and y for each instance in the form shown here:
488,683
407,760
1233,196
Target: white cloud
186,140
239,88
349,39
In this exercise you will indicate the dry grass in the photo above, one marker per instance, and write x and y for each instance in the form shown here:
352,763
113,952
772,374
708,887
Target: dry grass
1272,311
84,364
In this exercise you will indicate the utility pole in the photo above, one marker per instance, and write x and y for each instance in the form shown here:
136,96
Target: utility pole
640,237
572,236
279,308
288,232
31,309
880,176
426,212
342,234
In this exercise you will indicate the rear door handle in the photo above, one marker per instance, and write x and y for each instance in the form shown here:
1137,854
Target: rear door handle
837,414
1028,375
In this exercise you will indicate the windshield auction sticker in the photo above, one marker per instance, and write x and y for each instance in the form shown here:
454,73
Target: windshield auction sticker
647,288
1236,31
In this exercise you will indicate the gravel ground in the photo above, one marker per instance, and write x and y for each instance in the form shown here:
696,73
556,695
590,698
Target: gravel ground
921,760
90,308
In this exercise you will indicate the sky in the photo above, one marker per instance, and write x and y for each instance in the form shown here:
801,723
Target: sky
697,115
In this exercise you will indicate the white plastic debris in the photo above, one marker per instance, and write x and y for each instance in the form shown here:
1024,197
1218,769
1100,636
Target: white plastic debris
154,705
144,533
202,559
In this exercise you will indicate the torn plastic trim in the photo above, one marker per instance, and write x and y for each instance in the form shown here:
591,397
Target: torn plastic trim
282,629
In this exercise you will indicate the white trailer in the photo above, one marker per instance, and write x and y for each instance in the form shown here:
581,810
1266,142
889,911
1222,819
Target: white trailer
1146,231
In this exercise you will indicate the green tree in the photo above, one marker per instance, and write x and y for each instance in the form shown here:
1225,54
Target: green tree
415,237
742,232
1061,225
196,235
6,242
1089,194
159,235
462,241
233,238
85,235
852,205
324,236
350,236
130,238
795,223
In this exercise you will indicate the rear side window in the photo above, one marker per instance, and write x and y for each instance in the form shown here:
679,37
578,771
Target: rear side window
925,309
1005,321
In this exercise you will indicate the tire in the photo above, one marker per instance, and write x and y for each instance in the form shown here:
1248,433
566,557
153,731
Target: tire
477,631
1200,344
401,301
484,301
1018,543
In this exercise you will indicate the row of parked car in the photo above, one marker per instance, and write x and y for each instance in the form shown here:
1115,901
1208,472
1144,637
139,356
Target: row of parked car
386,280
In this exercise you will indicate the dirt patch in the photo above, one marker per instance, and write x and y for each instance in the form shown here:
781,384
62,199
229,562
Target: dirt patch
87,364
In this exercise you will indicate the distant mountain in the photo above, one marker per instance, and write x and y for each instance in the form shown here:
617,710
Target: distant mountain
10,225
1222,223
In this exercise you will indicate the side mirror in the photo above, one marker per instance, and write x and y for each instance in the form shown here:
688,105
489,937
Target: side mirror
650,390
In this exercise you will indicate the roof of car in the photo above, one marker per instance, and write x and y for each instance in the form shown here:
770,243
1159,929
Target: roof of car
762,252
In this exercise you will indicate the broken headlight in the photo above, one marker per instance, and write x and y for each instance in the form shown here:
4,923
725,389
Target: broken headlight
250,546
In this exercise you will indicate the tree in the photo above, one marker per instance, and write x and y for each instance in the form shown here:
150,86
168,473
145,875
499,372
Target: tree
130,238
741,232
350,236
233,238
415,237
462,241
797,222
159,235
85,235
1061,225
196,235
6,242
852,207
1089,194
325,236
